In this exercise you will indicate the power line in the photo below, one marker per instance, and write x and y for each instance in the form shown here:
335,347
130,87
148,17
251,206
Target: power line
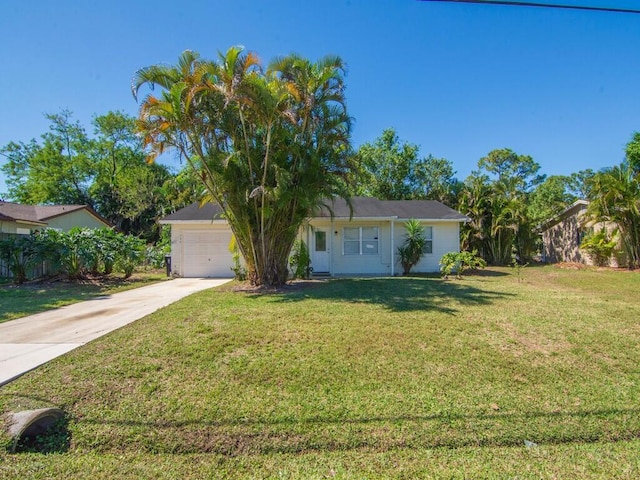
542,5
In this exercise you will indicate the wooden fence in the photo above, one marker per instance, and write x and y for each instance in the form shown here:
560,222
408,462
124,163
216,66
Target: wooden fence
37,271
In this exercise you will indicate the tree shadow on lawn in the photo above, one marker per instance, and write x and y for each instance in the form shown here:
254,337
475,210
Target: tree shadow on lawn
401,294
32,299
446,430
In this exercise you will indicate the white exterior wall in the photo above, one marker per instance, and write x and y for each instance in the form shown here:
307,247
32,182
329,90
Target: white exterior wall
446,238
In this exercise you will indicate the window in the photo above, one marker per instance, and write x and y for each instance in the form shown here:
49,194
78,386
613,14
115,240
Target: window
428,244
321,241
581,233
351,241
360,241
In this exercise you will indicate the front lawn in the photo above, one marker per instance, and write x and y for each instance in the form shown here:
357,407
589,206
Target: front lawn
20,300
358,378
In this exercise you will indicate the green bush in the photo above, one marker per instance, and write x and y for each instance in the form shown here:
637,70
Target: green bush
599,246
155,254
21,253
129,253
412,250
239,272
459,262
74,253
300,260
80,251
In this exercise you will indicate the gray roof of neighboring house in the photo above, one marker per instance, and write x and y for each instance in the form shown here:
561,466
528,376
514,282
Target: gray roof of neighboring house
572,209
10,211
362,207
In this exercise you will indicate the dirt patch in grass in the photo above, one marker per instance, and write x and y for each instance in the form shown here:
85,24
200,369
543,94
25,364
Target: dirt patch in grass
533,342
101,281
582,266
571,265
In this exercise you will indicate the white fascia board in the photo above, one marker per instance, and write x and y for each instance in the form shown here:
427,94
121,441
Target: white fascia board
387,219
31,222
351,219
436,220
193,222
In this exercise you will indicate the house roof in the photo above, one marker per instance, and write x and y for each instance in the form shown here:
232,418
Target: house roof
195,212
362,207
572,209
39,214
402,209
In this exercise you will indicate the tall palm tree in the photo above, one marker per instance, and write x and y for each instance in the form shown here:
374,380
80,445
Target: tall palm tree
615,197
474,203
269,145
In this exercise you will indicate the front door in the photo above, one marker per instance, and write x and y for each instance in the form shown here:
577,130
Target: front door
320,253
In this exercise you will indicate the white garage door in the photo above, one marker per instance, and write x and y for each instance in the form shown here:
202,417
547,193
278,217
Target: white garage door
206,253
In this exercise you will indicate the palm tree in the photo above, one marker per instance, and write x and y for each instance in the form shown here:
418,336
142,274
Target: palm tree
412,249
474,203
615,197
269,145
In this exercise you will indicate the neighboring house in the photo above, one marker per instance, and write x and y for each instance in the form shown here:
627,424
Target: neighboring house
361,241
563,234
18,219
25,219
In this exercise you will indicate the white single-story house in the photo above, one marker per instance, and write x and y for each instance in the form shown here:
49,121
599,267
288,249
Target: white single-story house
24,219
362,240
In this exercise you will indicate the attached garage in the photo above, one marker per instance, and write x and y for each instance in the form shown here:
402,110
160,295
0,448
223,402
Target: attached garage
200,242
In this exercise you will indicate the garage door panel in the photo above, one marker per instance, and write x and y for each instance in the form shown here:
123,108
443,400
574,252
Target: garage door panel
206,253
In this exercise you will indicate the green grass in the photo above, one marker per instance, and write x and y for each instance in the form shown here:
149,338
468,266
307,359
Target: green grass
20,300
362,378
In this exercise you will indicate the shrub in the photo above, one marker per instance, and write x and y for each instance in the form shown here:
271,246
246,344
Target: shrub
155,254
74,253
79,252
412,250
300,260
129,253
105,251
239,272
599,246
458,262
21,253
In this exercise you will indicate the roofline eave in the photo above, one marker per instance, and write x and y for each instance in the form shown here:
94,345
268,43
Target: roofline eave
193,222
30,222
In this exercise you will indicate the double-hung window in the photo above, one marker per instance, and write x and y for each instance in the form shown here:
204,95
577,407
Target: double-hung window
361,241
428,243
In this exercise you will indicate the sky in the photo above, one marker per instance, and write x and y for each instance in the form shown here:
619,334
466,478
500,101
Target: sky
459,80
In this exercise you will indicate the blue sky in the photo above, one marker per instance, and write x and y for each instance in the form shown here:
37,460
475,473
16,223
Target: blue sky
458,80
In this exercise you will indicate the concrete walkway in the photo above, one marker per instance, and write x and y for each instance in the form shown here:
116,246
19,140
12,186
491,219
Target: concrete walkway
28,342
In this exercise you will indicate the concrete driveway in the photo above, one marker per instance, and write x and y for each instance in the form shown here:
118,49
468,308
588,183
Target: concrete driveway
28,342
